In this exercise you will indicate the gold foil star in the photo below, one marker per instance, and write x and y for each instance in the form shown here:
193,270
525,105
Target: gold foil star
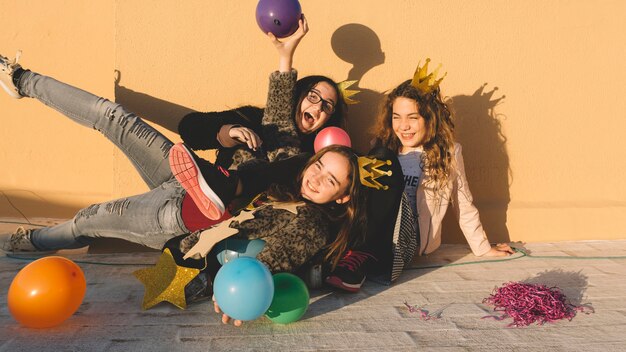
165,281
346,93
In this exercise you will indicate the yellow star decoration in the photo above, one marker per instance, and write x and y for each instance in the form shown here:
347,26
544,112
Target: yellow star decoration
346,93
165,281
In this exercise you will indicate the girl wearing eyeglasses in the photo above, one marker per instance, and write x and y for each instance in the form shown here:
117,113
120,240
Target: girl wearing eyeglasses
248,132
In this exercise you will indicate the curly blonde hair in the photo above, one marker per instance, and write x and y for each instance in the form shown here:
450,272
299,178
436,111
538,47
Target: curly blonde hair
437,158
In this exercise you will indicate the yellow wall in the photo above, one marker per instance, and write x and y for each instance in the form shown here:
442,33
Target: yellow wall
544,152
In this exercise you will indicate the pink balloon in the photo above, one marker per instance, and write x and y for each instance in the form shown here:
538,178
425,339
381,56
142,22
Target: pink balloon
329,136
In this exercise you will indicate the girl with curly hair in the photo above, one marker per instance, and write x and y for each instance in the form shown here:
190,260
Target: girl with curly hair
417,126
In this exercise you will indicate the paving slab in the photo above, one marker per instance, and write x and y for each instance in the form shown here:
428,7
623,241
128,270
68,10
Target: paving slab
376,318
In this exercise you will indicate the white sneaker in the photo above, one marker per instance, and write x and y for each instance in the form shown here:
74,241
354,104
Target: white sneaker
19,242
7,68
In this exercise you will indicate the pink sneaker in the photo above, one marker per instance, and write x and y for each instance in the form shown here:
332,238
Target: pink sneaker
184,165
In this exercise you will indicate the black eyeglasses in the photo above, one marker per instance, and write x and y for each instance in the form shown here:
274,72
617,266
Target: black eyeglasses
314,97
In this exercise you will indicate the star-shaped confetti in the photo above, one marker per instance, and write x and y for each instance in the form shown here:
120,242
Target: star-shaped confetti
165,281
210,237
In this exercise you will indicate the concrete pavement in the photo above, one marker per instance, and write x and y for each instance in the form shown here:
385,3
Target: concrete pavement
111,319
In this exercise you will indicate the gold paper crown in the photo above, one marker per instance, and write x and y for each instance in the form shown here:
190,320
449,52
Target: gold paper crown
424,81
347,94
369,172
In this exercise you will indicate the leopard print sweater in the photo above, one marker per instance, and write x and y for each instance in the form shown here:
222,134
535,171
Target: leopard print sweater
290,239
280,136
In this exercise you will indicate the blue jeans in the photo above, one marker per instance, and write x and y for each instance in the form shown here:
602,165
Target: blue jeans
150,218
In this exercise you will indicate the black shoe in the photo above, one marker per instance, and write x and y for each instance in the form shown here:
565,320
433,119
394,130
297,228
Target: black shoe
199,289
349,274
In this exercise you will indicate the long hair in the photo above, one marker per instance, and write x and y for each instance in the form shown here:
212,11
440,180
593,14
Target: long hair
337,119
349,216
438,144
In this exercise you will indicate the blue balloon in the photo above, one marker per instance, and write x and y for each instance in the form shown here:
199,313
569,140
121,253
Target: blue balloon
232,248
244,288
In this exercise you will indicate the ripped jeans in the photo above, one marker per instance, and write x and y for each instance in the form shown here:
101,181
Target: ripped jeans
149,219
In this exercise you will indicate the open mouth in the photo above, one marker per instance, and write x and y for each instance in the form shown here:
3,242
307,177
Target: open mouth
309,118
407,135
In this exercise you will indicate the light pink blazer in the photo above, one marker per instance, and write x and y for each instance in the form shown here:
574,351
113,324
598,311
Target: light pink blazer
431,212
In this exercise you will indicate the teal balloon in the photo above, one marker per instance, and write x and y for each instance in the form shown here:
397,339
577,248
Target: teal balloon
243,288
291,299
232,248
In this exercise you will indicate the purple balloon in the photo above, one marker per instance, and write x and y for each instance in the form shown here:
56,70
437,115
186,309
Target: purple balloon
280,17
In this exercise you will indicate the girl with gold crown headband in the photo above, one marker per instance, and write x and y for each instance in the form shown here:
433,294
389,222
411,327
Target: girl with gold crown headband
416,124
326,186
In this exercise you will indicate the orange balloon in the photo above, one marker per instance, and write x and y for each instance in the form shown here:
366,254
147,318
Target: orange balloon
46,292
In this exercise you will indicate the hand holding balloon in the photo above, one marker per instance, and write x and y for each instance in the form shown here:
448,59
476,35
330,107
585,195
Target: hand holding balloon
243,289
225,318
287,48
279,17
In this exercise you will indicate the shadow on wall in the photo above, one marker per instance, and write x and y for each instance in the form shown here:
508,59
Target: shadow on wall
158,111
478,129
26,204
360,46
28,209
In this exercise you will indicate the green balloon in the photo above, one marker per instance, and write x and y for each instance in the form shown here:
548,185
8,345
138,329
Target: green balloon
291,299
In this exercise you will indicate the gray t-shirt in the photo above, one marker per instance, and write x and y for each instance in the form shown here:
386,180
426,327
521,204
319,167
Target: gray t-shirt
412,171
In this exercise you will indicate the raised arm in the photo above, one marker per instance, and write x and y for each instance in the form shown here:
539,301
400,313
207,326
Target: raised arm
279,129
287,48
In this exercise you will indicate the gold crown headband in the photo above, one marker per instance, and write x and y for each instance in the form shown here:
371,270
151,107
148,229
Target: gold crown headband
426,82
347,94
369,172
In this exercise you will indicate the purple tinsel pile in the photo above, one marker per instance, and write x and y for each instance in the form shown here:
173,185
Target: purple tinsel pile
529,303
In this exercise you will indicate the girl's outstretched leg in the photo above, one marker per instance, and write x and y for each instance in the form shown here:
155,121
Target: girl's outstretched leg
149,219
146,147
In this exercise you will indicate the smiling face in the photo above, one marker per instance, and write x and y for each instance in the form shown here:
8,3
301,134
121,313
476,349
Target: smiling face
311,116
407,123
327,179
